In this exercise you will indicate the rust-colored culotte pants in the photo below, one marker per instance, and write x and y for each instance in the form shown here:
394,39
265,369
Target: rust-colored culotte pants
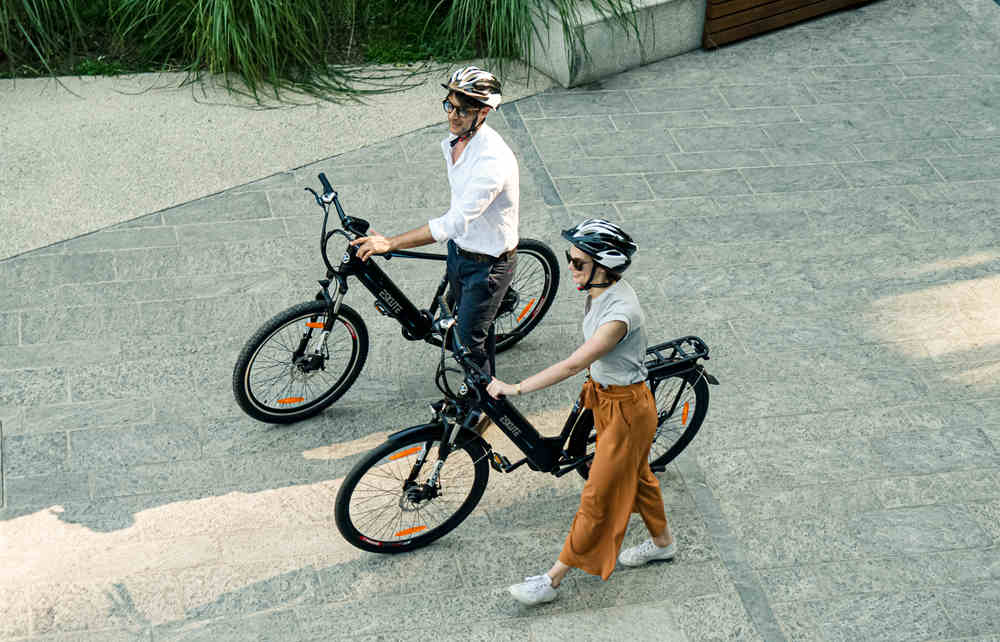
620,481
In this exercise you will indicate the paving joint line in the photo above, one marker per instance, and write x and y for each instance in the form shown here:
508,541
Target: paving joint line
731,553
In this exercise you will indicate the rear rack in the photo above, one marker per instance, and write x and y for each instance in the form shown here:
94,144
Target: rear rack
674,356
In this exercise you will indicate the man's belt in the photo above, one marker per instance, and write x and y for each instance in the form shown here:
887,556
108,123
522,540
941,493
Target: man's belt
485,258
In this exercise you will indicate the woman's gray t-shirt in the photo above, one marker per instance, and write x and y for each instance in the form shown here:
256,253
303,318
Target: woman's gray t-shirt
624,364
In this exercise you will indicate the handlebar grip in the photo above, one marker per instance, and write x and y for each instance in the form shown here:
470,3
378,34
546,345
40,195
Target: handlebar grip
327,189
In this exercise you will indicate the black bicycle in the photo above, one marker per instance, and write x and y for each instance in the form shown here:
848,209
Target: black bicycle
305,358
425,480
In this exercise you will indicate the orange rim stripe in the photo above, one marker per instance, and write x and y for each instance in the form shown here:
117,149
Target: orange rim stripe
525,310
287,400
684,414
313,324
410,531
406,453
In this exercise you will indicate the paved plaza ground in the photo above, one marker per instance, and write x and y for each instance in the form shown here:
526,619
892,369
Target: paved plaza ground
819,204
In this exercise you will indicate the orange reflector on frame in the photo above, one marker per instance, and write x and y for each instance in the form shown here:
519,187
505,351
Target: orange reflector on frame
313,324
288,400
405,453
684,413
525,310
410,531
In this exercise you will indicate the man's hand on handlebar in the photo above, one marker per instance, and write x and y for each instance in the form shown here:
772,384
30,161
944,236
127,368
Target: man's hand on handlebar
369,245
497,389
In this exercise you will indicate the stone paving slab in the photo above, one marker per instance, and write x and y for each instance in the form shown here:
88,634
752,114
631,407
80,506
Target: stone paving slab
820,204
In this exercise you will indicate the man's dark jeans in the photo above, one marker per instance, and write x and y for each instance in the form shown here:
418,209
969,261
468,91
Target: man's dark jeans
477,289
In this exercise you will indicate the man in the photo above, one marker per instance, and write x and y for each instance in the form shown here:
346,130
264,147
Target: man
480,226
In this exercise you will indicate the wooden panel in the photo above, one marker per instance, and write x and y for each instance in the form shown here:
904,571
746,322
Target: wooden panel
760,13
766,15
717,10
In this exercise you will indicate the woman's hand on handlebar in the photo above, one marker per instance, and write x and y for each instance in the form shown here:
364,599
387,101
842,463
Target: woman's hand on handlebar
497,389
369,245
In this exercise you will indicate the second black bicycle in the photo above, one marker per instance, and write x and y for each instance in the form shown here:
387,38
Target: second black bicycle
305,358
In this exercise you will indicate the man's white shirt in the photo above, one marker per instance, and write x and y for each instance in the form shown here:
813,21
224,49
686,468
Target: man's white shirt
483,216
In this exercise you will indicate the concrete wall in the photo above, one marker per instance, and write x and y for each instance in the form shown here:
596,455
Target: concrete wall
666,28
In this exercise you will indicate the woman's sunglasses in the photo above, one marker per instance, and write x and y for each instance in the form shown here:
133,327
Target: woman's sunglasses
577,264
462,111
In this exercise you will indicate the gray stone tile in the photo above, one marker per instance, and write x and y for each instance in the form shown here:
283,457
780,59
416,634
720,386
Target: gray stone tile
25,455
767,95
974,608
843,111
809,154
653,621
38,491
227,591
580,103
230,231
706,183
720,138
69,324
664,100
669,209
938,488
919,529
609,166
719,617
603,188
885,616
751,116
905,149
858,131
857,90
969,566
968,168
132,445
569,125
223,207
9,327
937,451
660,122
793,179
49,270
890,172
32,387
120,239
270,625
627,143
944,87
890,52
836,579
837,73
719,160
975,146
558,148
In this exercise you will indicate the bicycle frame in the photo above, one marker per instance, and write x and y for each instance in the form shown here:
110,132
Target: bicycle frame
389,299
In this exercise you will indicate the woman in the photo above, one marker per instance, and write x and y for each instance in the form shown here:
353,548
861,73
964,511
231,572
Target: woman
620,481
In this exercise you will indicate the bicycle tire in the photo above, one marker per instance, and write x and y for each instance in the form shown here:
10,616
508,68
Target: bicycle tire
391,463
675,426
535,283
290,403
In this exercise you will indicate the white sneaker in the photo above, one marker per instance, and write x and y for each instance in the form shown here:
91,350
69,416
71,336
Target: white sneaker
534,590
646,552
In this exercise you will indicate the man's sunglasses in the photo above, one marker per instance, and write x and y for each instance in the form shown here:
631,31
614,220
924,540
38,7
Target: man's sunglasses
462,111
577,264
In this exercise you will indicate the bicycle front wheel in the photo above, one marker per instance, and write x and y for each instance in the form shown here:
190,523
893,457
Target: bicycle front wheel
286,372
532,290
388,503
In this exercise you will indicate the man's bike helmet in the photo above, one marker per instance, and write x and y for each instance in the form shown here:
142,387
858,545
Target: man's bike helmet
477,84
609,245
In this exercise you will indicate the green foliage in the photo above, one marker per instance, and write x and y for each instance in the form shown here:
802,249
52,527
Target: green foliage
503,29
300,45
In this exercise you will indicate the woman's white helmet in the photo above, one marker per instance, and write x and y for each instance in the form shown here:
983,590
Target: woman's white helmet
610,246
476,83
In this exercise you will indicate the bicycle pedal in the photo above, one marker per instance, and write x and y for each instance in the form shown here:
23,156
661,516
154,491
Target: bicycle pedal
499,463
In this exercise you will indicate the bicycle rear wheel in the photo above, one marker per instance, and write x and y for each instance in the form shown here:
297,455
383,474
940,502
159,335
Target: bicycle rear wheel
681,404
279,379
387,505
535,283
